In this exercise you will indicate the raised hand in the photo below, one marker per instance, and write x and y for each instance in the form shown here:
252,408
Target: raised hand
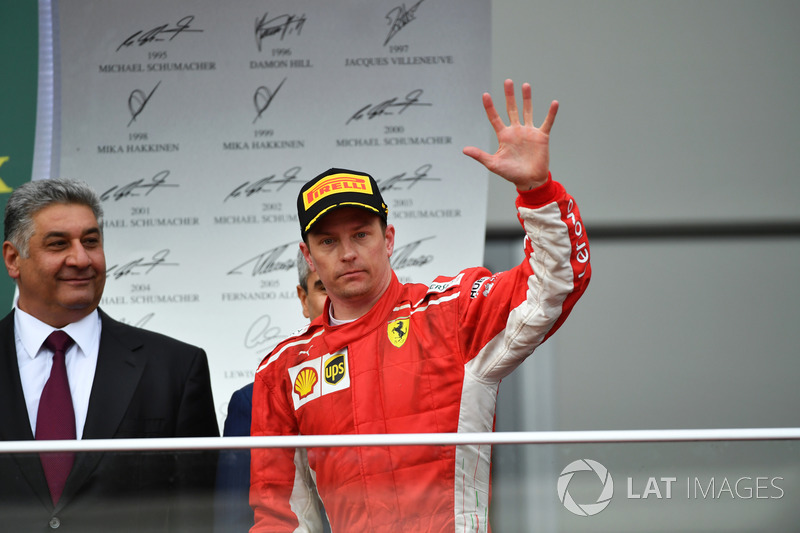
523,153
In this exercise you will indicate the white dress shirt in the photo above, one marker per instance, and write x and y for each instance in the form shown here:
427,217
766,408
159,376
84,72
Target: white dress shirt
35,361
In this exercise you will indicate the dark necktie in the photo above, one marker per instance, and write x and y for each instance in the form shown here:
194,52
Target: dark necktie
56,417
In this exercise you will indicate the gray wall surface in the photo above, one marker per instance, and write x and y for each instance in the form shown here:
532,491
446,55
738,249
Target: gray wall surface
673,113
678,135
671,110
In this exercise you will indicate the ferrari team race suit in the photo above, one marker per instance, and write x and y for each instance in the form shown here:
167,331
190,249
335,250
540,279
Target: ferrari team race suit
424,359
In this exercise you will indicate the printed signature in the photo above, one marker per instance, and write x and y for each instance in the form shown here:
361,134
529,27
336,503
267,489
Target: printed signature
282,25
142,322
141,265
403,256
261,332
267,184
267,262
137,100
118,193
405,181
398,18
263,98
158,33
371,111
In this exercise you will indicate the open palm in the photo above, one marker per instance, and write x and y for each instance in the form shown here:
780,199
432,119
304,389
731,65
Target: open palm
523,153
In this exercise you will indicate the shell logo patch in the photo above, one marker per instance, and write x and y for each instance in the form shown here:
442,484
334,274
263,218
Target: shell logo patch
398,331
305,381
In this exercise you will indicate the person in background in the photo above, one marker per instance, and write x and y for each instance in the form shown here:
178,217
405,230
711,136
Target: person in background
69,371
310,290
232,508
388,357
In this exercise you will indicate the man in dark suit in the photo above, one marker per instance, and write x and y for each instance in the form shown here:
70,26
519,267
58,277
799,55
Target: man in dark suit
120,382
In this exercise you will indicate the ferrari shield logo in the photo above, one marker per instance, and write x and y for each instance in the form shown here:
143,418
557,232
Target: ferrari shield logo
398,331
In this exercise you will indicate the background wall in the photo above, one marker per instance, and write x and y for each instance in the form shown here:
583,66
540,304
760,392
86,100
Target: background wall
672,111
678,136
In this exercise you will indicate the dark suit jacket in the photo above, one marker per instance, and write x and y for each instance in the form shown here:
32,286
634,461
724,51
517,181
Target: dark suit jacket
233,512
145,385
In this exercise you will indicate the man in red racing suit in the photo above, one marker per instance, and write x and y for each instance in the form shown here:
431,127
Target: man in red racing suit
421,359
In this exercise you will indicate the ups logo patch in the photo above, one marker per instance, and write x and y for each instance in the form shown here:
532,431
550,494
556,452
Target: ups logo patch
335,369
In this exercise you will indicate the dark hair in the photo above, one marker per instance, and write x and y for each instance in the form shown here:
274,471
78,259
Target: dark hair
30,198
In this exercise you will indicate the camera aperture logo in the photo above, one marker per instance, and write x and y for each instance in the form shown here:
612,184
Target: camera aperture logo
585,509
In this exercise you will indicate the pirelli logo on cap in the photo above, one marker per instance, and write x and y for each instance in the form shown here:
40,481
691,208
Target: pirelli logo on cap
335,184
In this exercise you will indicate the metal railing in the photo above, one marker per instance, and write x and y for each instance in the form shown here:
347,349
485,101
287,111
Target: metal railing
403,439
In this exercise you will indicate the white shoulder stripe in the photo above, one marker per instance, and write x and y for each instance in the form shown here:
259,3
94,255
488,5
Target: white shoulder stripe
434,300
277,354
437,301
401,307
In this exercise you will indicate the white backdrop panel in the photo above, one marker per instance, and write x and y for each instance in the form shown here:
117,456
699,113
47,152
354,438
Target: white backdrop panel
199,122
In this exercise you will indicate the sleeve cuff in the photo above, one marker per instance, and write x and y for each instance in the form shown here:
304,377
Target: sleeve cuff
541,195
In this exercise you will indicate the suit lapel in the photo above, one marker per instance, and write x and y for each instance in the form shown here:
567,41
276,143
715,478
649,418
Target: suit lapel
120,365
14,421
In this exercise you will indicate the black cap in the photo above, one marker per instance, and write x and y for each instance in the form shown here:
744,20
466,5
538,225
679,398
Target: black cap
334,188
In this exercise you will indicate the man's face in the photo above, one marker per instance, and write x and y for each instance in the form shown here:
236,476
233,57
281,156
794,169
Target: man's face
313,299
350,251
62,278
